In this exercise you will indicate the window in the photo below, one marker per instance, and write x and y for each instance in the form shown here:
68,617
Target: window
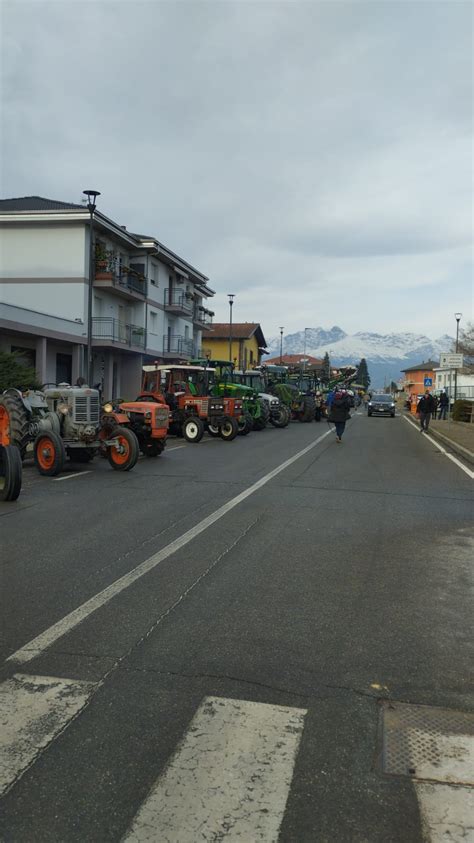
153,275
153,321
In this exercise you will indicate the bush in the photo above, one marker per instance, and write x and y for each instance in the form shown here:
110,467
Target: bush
15,374
462,410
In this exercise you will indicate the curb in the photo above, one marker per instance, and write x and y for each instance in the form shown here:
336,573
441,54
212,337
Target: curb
463,452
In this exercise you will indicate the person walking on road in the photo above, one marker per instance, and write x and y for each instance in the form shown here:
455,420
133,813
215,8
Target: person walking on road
443,405
339,412
424,409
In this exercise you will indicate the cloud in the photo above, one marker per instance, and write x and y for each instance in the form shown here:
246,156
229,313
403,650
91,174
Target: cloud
299,152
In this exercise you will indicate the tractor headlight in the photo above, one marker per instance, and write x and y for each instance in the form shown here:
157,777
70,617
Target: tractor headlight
107,408
275,402
148,414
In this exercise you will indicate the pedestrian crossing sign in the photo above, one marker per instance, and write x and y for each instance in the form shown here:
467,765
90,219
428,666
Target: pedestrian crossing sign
428,381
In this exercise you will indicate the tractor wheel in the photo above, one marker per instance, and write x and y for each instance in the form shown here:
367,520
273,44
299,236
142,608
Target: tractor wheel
50,453
152,449
229,429
283,418
10,472
308,411
13,422
193,429
81,455
213,430
125,455
261,422
245,424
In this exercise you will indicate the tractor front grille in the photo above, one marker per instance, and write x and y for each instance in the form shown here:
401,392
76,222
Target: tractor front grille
86,409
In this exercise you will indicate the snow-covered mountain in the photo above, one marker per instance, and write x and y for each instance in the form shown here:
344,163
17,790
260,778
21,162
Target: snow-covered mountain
386,354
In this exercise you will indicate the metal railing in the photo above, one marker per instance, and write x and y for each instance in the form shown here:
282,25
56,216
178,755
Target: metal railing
177,301
108,328
177,344
126,279
200,315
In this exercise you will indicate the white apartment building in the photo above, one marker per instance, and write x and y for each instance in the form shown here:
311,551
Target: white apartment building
148,303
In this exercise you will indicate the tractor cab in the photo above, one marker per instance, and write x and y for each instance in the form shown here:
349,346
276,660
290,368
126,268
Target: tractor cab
163,382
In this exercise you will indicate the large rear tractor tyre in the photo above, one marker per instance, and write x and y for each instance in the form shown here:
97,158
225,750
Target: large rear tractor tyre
261,422
245,424
193,429
153,449
13,422
309,408
229,429
81,455
124,456
282,419
213,431
10,472
49,453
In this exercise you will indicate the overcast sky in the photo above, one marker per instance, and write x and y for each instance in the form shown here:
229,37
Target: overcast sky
314,158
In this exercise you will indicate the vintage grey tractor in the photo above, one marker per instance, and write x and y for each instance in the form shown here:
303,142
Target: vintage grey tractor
64,421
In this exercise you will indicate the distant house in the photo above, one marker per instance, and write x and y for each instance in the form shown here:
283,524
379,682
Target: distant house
294,360
248,343
419,378
462,384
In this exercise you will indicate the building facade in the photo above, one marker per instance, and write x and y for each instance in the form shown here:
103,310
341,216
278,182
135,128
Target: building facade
147,302
244,343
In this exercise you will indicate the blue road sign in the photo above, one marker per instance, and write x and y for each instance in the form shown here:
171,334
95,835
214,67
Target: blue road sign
428,381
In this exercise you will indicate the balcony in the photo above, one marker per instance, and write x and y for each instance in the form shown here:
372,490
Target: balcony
178,345
109,330
202,317
178,302
128,283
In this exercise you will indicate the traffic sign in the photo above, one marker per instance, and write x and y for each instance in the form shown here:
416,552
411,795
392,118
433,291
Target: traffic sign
428,381
450,361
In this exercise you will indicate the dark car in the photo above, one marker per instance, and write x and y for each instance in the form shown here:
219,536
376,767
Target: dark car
383,405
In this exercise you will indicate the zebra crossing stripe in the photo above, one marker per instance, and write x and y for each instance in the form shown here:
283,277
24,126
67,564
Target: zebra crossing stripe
229,778
33,711
447,812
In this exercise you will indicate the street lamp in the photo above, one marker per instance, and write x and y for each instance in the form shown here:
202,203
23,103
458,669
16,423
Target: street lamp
457,317
281,344
91,206
304,356
231,297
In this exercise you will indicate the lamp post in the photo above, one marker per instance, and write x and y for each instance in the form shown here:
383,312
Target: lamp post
91,206
281,344
304,355
457,317
231,297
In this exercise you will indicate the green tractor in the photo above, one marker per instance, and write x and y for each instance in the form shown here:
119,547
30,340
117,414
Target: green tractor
279,412
301,403
256,413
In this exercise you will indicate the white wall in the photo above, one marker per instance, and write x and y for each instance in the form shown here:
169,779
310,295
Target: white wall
43,251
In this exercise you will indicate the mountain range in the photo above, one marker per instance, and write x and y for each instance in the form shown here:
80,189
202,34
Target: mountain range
386,354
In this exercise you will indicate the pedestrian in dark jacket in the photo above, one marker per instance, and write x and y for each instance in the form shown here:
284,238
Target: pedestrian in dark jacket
424,409
443,405
339,412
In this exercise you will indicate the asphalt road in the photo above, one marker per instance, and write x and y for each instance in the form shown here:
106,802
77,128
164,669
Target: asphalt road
232,688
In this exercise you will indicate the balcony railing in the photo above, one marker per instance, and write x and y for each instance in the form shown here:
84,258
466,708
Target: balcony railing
178,302
107,328
202,316
177,344
124,279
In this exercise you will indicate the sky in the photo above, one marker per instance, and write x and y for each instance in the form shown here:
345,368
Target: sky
313,158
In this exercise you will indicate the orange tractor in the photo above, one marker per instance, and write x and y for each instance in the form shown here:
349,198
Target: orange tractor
185,389
10,463
149,421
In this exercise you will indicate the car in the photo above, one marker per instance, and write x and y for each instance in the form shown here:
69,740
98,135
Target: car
382,405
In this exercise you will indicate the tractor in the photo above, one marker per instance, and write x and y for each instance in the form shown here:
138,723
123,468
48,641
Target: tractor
10,462
256,413
300,403
279,414
149,421
186,390
64,421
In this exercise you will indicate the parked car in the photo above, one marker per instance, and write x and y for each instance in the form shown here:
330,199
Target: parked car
382,405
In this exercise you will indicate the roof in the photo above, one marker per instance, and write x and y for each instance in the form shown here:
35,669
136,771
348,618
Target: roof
38,203
425,366
295,359
240,331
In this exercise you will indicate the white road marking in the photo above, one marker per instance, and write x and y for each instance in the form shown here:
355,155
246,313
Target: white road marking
69,476
33,710
50,636
447,812
229,779
443,451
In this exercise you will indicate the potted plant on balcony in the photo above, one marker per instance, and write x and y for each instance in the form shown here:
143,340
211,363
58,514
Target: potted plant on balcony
104,262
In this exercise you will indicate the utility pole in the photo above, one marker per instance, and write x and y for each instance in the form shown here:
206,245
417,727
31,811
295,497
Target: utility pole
91,206
457,317
281,344
231,297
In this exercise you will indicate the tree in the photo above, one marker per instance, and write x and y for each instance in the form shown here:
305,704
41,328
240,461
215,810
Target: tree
326,369
363,376
466,343
15,374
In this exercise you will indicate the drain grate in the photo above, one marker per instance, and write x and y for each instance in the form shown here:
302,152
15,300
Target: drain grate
434,744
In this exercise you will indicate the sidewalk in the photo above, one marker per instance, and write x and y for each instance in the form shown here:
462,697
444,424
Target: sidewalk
458,435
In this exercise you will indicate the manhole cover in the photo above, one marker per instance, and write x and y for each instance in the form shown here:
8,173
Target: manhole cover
422,742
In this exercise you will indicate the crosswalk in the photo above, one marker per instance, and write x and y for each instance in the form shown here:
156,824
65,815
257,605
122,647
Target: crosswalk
229,777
